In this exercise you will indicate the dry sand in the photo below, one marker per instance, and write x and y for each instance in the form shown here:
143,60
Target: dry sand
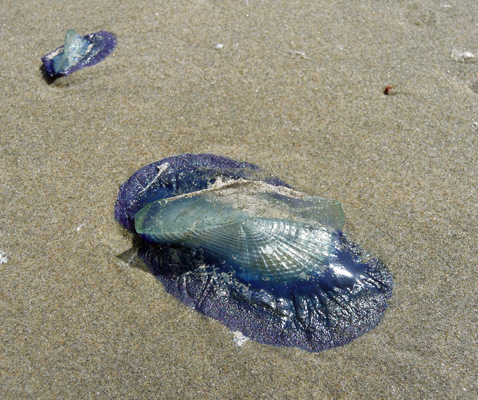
296,87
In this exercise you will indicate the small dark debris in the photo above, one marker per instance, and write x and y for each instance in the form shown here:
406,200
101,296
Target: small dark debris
388,90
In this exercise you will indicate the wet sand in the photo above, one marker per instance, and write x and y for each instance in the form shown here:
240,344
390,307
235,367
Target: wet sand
296,88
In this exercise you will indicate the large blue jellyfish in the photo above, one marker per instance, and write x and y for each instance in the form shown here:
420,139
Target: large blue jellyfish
242,247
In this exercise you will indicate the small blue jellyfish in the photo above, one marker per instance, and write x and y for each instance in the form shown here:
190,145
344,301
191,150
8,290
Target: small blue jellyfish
244,248
78,52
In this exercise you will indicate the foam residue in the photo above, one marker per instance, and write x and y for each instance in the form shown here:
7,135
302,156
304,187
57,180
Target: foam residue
461,55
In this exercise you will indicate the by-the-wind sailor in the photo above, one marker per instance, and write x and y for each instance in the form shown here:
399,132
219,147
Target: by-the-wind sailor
78,52
242,247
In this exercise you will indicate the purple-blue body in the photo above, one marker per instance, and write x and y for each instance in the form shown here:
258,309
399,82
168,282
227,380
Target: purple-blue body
312,314
86,51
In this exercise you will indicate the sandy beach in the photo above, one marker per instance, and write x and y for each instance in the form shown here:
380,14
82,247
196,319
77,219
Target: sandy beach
295,87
